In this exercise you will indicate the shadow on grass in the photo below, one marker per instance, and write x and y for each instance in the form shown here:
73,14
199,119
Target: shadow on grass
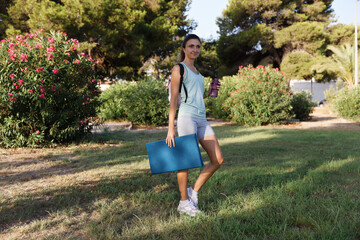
252,163
129,148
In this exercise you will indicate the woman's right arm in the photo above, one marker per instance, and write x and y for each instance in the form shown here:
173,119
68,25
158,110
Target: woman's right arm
175,84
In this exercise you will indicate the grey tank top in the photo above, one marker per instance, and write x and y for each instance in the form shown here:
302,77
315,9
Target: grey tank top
194,106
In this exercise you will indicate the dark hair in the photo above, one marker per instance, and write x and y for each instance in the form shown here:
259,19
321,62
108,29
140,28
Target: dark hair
187,38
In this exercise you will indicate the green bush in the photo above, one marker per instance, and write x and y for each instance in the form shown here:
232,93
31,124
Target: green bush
216,106
47,90
112,99
261,96
302,105
330,94
143,103
347,103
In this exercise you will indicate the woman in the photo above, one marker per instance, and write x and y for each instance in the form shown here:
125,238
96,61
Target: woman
192,119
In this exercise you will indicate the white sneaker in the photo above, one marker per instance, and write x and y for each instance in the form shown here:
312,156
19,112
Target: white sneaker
188,208
192,196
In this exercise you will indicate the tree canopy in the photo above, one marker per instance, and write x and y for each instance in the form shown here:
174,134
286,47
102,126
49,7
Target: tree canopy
251,30
121,34
134,37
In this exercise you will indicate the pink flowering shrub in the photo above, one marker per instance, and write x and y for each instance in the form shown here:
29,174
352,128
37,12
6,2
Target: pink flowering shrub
47,90
258,96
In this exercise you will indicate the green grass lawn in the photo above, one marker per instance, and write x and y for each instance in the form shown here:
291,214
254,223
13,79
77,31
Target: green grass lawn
275,183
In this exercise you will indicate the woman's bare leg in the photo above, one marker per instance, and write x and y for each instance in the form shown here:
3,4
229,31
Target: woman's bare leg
212,148
182,177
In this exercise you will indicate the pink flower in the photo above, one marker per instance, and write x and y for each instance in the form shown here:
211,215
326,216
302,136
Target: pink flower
42,90
14,83
12,75
13,99
42,96
82,54
12,55
17,87
39,69
31,90
93,80
74,40
38,46
55,71
37,132
77,61
53,88
50,39
42,30
10,94
66,61
51,48
81,121
41,81
49,55
21,81
69,54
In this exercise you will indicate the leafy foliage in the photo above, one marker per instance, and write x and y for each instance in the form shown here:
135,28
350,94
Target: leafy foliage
298,65
112,101
216,105
330,94
340,34
47,92
302,105
342,62
252,30
144,103
208,62
347,103
261,96
120,34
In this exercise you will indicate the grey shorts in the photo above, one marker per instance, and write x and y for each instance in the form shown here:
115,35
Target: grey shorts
189,125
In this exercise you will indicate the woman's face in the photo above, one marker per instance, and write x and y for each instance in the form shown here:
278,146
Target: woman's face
192,48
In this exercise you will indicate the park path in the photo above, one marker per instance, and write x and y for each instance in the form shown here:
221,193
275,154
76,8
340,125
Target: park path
322,118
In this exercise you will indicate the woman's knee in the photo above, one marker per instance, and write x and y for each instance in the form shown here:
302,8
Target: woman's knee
218,162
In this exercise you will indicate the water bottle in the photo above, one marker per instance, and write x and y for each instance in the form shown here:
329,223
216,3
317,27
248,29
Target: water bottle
214,87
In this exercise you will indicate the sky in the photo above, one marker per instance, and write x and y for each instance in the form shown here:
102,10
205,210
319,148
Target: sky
205,12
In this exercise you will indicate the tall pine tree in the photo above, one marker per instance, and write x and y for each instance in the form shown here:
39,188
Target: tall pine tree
121,34
252,30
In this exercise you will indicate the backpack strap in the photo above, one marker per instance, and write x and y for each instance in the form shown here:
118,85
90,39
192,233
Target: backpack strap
182,80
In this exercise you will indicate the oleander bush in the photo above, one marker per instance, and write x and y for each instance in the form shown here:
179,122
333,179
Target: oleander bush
143,103
347,103
302,105
215,106
47,90
260,96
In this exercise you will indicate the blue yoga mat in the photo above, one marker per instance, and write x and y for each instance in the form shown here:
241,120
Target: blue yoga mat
185,155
